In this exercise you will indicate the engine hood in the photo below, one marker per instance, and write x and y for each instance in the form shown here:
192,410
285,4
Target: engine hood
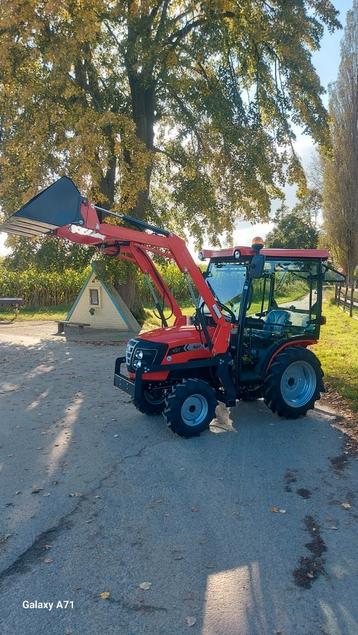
173,336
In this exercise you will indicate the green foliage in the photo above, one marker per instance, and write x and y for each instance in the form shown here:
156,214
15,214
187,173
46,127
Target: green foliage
175,109
340,183
42,288
293,229
48,255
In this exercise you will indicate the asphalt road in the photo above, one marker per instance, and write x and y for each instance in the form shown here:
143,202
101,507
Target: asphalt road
248,530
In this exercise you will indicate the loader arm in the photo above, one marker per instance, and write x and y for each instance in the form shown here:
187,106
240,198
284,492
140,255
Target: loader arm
62,212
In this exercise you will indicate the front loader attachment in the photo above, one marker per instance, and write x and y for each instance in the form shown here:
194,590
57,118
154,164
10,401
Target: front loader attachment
61,211
56,206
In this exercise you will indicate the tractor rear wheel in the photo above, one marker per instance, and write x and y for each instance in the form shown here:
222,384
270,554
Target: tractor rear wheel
152,401
293,382
190,407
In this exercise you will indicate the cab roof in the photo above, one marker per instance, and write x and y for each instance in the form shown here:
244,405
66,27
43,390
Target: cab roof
322,254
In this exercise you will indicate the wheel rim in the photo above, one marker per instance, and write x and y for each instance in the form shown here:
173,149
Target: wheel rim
298,384
194,410
155,397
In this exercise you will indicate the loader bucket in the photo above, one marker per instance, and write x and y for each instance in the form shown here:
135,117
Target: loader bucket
56,206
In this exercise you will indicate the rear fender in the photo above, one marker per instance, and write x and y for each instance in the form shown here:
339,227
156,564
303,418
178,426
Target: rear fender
270,357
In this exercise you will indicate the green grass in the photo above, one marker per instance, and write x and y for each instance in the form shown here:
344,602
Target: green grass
60,313
37,313
338,352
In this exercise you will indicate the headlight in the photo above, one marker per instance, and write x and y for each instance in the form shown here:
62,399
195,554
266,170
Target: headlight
142,354
142,357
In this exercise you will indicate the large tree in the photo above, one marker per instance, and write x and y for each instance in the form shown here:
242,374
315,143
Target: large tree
160,106
296,228
340,191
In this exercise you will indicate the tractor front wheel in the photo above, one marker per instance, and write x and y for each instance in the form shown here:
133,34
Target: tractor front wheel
190,407
293,382
152,401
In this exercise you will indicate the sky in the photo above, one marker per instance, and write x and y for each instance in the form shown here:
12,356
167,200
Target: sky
326,61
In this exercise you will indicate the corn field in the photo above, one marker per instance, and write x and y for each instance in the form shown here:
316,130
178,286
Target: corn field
42,288
46,288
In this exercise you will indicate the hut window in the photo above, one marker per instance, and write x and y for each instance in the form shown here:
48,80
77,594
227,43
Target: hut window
94,297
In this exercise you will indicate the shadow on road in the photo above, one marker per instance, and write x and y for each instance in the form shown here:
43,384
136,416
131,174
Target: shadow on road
218,525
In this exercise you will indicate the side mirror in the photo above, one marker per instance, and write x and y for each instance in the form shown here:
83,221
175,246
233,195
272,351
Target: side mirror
256,267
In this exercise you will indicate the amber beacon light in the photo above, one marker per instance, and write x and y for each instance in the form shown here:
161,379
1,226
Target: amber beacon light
257,243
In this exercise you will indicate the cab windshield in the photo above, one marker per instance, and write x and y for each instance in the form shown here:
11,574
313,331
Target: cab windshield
226,280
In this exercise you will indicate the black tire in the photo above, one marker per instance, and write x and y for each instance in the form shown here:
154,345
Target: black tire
152,401
279,393
190,407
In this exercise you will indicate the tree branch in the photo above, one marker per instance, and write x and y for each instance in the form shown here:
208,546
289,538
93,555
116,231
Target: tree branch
167,154
180,34
112,33
190,116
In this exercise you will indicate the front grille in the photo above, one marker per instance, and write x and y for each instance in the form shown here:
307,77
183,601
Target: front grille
129,351
152,351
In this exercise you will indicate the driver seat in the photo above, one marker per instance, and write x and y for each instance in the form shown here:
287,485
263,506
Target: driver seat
276,322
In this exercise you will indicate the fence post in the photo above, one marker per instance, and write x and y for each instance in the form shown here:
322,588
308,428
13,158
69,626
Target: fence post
339,293
352,300
345,298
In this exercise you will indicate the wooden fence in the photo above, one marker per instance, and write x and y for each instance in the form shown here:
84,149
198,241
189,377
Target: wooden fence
346,297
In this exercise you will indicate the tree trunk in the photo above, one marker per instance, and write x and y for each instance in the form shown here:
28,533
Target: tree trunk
108,179
107,184
143,106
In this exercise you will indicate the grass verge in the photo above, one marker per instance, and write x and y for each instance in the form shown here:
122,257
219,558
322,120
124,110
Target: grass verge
338,352
37,313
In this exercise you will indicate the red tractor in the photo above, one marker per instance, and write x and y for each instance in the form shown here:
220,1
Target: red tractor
256,313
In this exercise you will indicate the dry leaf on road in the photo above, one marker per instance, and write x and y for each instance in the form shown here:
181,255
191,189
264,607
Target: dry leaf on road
346,505
104,595
145,586
190,620
4,538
